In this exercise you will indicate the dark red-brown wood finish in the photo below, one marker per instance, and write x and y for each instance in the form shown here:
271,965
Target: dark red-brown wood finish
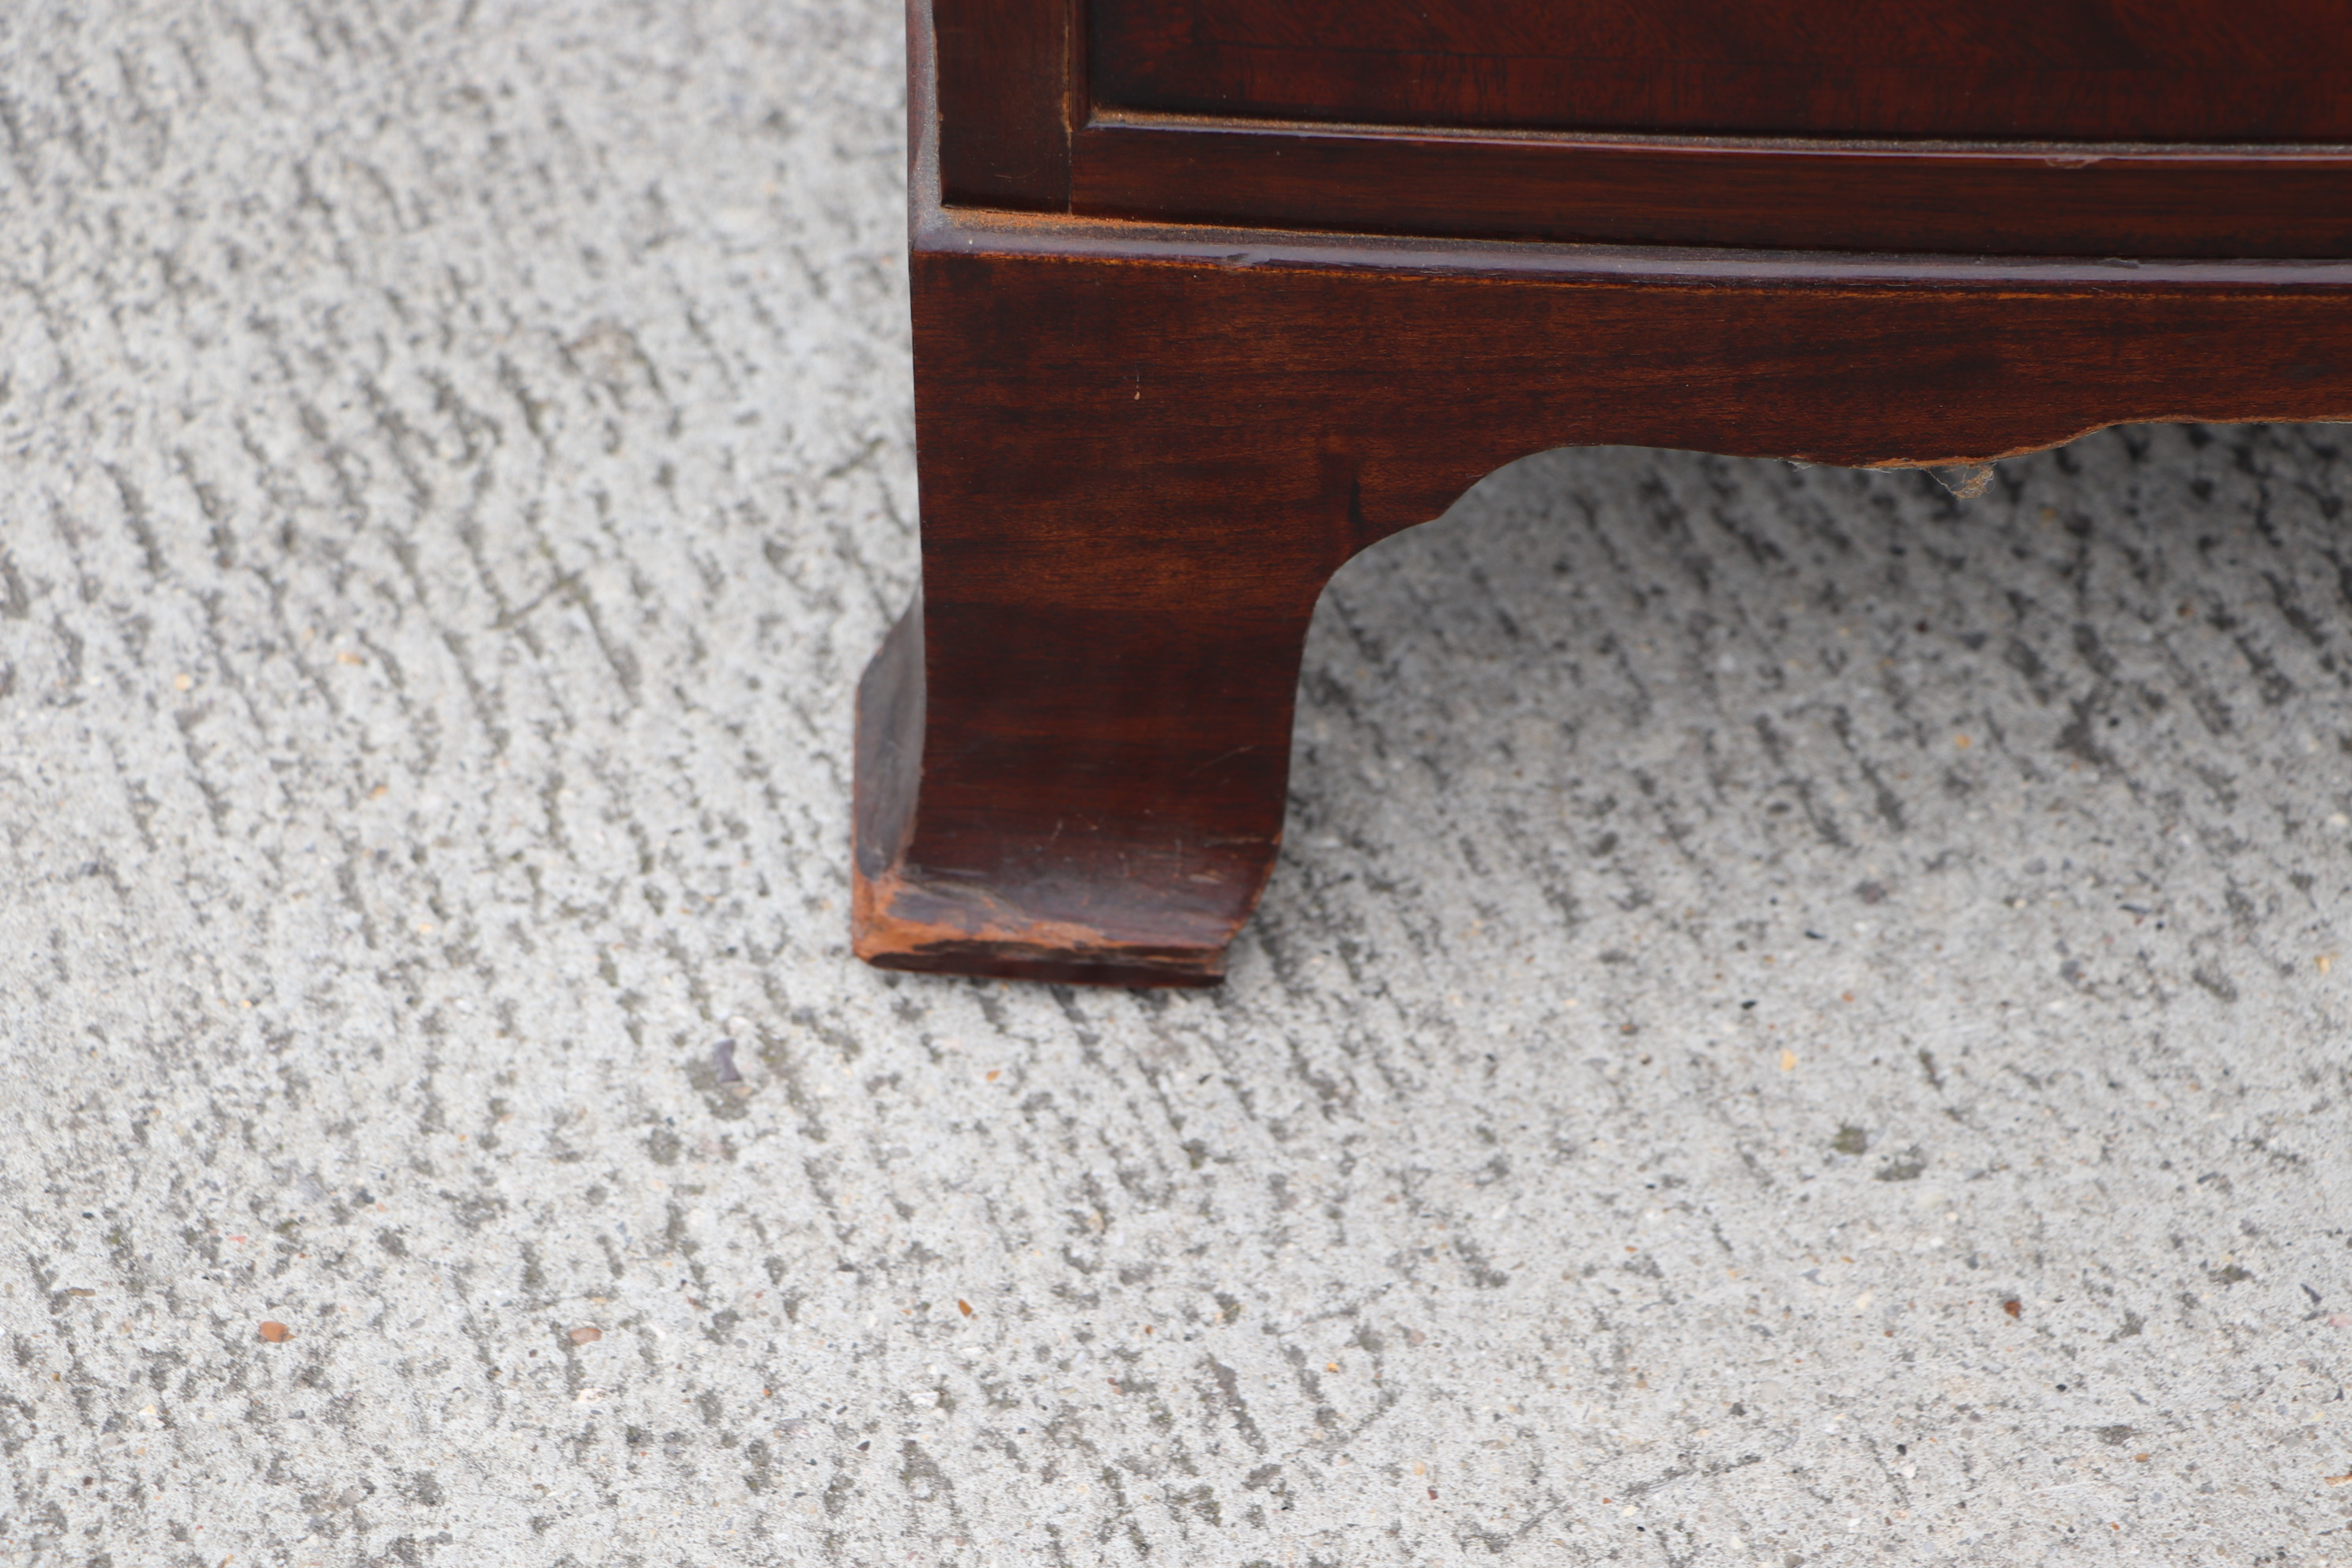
1008,81
1142,449
2201,128
1983,201
2080,70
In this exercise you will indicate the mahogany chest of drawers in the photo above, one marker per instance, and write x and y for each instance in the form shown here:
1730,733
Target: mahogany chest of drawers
1211,294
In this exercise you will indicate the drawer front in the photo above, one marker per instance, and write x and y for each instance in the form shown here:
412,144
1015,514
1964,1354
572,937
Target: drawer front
2092,71
2129,129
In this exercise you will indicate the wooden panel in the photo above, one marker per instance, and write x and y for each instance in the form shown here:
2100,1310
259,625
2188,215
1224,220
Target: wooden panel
1003,100
1140,456
2143,203
2137,70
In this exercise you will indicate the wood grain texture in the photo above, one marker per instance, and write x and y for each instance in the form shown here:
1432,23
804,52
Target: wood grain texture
1003,100
2184,70
2041,202
1137,472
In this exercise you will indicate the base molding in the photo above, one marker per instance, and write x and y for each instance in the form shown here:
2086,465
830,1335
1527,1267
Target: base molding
1141,457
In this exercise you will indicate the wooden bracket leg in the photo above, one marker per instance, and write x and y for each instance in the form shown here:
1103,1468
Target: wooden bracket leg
1098,803
1072,752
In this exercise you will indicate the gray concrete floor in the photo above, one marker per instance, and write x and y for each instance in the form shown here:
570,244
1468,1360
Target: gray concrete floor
1801,1021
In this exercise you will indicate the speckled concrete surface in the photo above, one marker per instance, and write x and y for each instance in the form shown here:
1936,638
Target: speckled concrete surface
1801,1021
